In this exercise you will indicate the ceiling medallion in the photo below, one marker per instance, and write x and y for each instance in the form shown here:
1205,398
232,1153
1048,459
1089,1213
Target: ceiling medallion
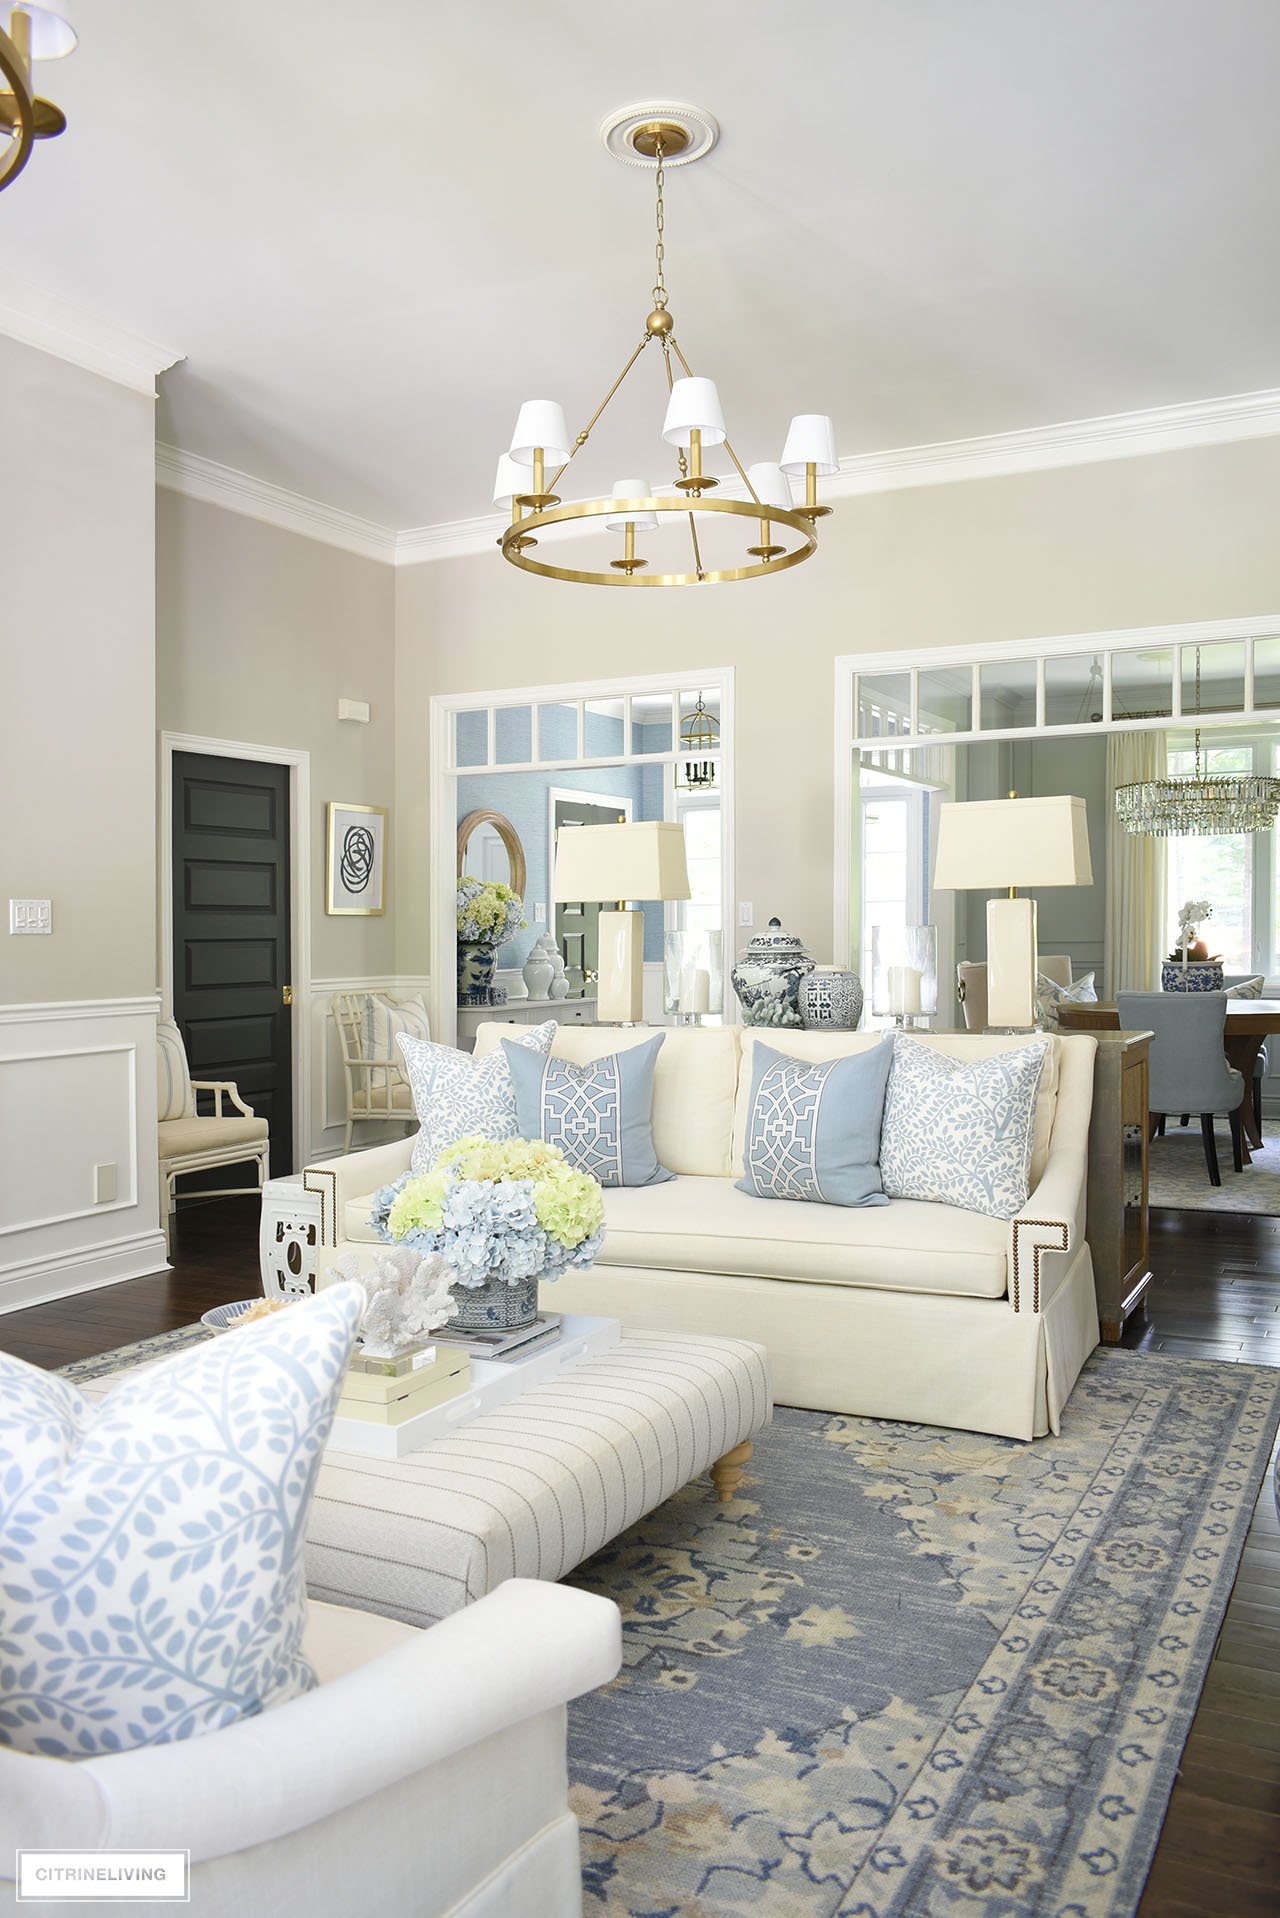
31,33
541,450
1195,803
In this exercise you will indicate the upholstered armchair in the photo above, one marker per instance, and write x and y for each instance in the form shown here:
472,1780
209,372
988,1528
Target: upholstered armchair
425,1774
971,985
195,1141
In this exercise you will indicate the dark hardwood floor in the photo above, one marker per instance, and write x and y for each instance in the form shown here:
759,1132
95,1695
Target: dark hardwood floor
1216,1296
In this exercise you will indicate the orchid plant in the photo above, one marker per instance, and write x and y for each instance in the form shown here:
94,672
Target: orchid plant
1191,917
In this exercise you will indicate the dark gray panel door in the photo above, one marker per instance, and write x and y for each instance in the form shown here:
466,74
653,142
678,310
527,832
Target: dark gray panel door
231,942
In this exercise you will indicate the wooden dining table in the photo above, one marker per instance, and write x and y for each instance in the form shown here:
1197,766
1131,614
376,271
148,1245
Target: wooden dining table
1248,1023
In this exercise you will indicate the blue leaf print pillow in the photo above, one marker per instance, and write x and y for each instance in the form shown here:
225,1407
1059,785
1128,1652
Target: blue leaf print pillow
151,1542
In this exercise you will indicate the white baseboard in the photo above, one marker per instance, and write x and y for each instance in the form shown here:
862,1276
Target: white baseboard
60,1275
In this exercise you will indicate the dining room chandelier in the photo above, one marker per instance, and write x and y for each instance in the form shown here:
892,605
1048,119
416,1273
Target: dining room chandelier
1190,803
542,451
29,33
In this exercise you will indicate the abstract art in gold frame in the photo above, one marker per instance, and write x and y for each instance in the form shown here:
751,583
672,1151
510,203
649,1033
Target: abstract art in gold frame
355,860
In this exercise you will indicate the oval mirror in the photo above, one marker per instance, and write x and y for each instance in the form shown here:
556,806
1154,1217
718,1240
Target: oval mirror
489,849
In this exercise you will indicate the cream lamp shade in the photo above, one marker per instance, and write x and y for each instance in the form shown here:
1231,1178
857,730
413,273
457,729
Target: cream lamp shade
644,860
988,843
694,406
626,489
640,860
811,441
540,426
985,844
52,36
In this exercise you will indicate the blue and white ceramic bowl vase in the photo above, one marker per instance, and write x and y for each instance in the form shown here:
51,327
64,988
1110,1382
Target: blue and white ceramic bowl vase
1198,975
494,1306
767,977
830,998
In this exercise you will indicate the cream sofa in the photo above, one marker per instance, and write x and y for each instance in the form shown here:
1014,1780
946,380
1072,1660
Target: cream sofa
905,1311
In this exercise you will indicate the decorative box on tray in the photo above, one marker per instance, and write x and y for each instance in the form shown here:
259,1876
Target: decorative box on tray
389,1391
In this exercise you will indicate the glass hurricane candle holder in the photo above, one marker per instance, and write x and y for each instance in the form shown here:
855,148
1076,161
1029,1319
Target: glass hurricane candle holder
693,975
904,973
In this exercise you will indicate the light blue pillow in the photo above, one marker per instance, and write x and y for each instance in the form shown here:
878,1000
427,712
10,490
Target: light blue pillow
151,1542
600,1115
458,1097
960,1132
813,1127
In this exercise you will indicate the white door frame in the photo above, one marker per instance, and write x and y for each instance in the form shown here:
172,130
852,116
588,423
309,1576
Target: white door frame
444,800
299,763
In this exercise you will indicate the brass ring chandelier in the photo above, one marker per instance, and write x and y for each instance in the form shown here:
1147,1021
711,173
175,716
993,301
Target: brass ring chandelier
693,422
33,33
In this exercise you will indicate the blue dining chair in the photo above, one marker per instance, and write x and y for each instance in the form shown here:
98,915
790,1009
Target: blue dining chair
1188,1067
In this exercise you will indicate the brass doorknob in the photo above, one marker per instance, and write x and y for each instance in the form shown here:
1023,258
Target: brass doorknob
287,995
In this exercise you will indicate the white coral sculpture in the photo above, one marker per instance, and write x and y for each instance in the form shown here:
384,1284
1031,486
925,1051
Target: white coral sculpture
407,1297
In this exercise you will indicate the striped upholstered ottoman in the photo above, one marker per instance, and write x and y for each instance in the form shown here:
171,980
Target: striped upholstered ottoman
531,1490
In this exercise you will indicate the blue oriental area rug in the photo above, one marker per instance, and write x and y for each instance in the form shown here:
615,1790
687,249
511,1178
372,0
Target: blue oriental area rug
914,1673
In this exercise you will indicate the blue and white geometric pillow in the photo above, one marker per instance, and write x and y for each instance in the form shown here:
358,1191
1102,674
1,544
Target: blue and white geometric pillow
600,1115
457,1097
151,1543
813,1127
961,1133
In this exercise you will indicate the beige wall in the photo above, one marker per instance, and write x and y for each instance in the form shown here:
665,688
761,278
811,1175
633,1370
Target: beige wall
259,633
77,713
1134,542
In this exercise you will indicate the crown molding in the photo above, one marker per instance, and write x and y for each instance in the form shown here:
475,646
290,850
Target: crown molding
1111,436
226,486
1161,429
52,325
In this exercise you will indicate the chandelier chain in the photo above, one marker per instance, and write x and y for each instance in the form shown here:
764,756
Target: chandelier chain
660,222
1197,712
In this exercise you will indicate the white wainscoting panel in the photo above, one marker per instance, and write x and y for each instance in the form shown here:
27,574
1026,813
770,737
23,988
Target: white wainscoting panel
77,1091
328,1117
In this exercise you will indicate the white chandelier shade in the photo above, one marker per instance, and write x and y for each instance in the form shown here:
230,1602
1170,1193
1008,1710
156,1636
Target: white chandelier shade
811,441
52,37
540,428
769,483
694,407
632,489
510,481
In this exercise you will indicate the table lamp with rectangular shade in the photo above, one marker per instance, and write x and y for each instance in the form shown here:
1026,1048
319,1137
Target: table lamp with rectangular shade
640,860
985,843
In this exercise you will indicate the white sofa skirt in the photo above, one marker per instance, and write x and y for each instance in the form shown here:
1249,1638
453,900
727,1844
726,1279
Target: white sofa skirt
971,1363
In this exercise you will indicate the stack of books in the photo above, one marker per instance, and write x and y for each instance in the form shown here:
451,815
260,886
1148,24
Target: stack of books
501,1345
389,1391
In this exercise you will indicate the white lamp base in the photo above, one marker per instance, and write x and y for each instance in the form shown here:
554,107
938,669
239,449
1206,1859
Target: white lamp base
620,999
1011,963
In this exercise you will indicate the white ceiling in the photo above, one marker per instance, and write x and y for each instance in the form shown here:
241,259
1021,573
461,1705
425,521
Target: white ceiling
373,230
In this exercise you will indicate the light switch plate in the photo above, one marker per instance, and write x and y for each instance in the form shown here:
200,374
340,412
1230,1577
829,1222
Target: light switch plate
539,914
30,915
746,913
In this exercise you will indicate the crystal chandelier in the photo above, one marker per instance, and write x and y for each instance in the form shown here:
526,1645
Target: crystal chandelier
32,33
541,449
699,742
1195,803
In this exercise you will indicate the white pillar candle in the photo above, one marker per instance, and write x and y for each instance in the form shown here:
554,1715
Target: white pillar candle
904,990
687,978
700,999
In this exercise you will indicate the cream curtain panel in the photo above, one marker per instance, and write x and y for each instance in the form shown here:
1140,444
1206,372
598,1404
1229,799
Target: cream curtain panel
1137,866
